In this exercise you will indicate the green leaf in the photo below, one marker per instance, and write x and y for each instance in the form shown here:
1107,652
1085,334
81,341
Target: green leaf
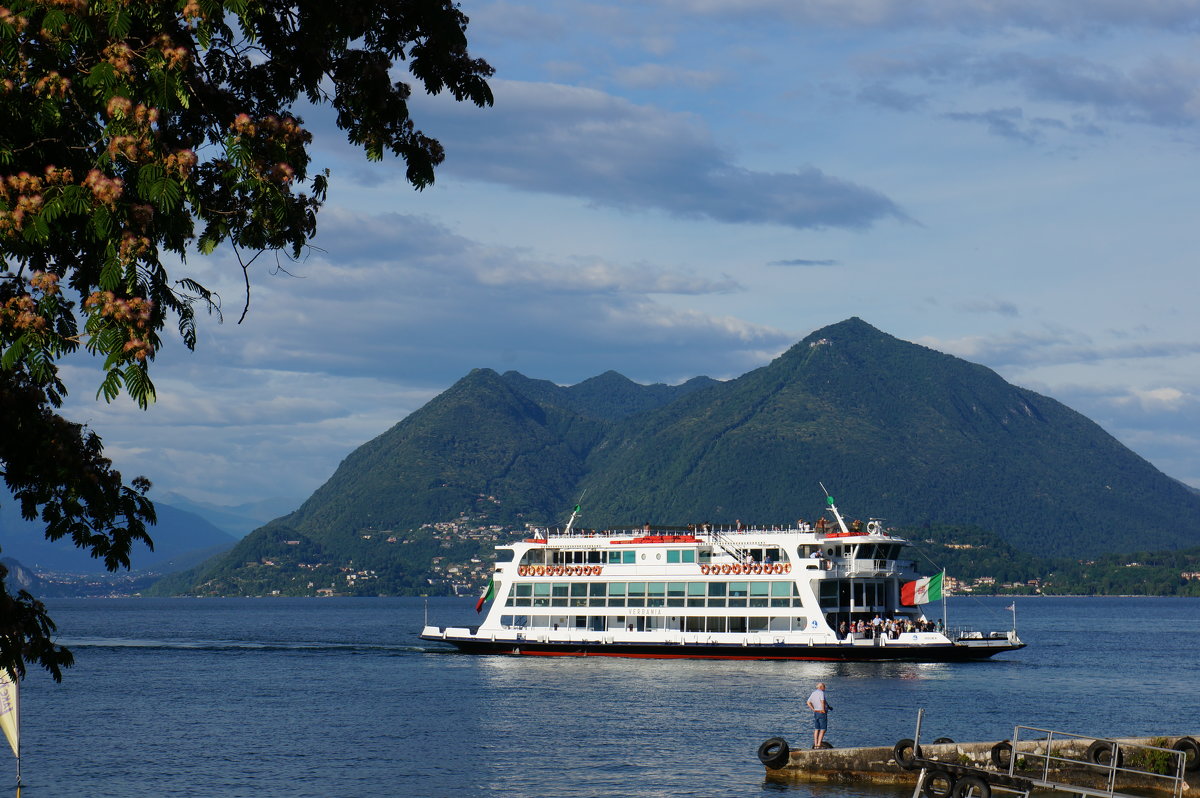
111,387
137,382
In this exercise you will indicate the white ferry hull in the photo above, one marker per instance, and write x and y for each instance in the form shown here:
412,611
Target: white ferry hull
857,651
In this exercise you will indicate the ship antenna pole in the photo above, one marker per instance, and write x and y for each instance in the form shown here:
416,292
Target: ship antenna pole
833,507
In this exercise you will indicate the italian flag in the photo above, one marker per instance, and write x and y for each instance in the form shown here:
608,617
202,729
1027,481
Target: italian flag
488,595
922,591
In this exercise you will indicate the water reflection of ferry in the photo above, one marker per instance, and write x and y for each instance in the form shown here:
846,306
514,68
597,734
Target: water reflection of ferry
713,592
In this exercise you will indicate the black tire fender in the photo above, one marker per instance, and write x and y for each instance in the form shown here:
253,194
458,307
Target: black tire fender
942,741
1191,753
774,753
938,784
906,754
971,787
1001,755
1101,753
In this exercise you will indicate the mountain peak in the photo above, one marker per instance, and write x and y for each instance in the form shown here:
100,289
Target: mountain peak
851,329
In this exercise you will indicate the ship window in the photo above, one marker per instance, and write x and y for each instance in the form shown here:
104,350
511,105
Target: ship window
829,593
693,624
523,590
715,624
597,589
866,551
781,588
705,555
628,557
656,589
738,588
637,594
689,555
614,556
594,556
759,588
675,592
673,555
737,625
541,588
774,555
758,624
781,624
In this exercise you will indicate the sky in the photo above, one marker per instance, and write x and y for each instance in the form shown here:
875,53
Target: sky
673,188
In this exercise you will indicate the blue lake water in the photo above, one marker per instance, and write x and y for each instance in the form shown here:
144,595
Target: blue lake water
338,697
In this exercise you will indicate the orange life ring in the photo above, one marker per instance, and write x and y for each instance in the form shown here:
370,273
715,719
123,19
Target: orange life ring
778,567
596,570
704,569
521,570
538,570
787,567
737,569
726,568
558,569
756,569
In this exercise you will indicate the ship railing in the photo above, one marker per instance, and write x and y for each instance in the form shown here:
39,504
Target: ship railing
699,530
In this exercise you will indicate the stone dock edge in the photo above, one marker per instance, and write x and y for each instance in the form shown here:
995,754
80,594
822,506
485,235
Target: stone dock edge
878,765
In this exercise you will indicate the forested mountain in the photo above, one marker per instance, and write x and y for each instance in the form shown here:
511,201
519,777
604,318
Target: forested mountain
894,429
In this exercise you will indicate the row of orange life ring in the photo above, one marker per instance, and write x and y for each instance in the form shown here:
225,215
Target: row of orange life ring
559,570
752,568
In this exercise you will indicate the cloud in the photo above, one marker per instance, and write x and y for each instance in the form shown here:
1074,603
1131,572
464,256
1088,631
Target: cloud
1000,307
888,96
803,262
1177,16
579,142
1157,399
410,301
1083,93
658,76
1049,347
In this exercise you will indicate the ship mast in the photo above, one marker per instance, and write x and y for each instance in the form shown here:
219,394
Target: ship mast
833,507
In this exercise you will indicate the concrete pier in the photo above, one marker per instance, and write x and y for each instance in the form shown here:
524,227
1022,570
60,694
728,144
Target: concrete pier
879,766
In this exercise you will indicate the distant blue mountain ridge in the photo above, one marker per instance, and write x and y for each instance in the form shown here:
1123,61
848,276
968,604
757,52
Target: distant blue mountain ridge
187,532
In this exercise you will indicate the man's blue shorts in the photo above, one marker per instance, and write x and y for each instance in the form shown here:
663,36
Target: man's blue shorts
820,720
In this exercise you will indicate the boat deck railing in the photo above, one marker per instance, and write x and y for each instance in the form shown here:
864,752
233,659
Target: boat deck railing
703,531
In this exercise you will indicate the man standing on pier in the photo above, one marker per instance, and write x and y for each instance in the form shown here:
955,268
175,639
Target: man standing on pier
820,707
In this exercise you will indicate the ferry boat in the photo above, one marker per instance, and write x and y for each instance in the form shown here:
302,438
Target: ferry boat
800,592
